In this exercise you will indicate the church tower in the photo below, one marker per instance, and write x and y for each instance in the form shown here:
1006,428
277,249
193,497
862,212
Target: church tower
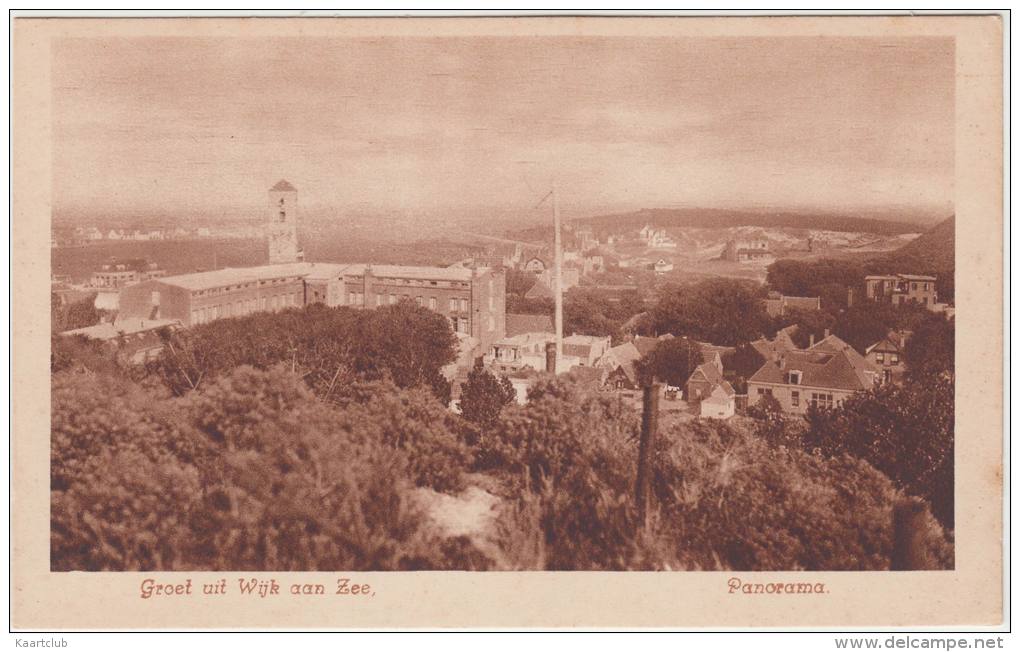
282,231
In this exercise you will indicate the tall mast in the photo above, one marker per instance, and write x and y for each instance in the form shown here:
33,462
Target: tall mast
558,289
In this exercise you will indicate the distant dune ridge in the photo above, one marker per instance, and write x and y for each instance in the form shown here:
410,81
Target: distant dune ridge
937,247
723,218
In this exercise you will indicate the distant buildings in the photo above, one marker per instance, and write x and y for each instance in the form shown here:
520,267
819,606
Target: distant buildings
528,351
115,274
777,304
899,289
133,340
744,251
656,238
473,300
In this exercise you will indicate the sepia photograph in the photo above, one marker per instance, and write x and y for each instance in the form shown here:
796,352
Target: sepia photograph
351,301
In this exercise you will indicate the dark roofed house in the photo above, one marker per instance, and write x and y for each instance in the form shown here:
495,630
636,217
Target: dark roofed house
823,375
887,355
539,291
783,341
518,324
777,304
704,379
619,363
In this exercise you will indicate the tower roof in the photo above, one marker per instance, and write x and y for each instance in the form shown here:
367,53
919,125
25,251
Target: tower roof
284,185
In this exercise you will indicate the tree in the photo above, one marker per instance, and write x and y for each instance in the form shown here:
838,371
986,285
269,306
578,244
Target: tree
826,278
77,314
328,347
773,425
719,310
904,431
931,349
744,361
672,361
484,396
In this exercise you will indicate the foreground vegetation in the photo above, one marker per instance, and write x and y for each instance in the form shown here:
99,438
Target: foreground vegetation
300,440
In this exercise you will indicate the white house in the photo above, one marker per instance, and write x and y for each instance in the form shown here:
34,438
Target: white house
721,403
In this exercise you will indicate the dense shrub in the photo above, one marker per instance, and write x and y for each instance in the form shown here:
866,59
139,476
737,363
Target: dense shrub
76,314
412,421
724,498
328,347
573,453
484,396
904,431
728,499
123,476
250,472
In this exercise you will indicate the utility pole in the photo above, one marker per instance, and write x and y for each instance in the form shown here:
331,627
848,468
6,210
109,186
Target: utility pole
649,427
558,289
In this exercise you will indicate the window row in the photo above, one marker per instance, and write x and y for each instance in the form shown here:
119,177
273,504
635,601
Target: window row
245,307
358,299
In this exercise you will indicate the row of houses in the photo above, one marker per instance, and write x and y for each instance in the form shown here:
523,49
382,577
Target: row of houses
823,374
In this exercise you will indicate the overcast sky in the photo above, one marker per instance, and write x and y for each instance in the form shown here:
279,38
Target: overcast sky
404,123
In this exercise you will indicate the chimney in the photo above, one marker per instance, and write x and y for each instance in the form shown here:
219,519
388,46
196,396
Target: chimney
782,362
826,332
811,340
550,357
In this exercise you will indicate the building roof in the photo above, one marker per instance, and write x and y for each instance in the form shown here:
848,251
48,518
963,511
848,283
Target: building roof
233,275
825,365
539,291
580,345
645,345
517,324
721,393
783,341
283,186
776,304
622,357
894,342
710,350
526,339
113,330
893,277
708,372
410,271
237,275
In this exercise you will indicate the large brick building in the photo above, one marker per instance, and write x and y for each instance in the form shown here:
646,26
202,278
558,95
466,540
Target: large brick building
473,300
